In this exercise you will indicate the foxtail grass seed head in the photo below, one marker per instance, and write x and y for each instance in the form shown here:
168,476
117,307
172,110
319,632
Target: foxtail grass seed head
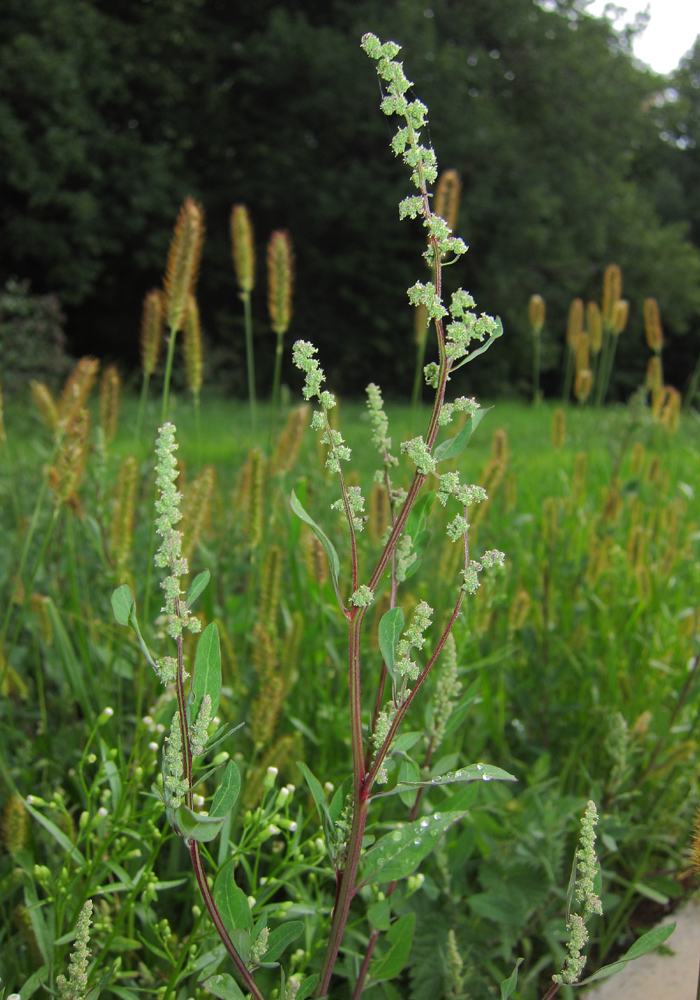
612,290
76,391
642,579
637,456
15,825
652,326
45,404
670,415
121,531
574,325
620,315
253,523
583,362
558,428
654,377
280,278
446,201
578,477
271,589
583,384
110,402
536,313
183,262
550,521
243,249
500,450
379,511
196,509
66,475
594,325
510,491
192,346
315,556
290,441
152,323
519,610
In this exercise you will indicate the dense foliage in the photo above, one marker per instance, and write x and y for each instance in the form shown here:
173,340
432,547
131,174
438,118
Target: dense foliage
111,113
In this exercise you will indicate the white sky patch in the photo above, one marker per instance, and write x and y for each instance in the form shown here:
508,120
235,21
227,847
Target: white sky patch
670,34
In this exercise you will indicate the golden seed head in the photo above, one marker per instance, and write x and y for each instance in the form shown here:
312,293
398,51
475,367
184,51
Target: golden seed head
594,324
583,362
574,325
66,475
110,393
243,249
652,325
290,441
637,455
578,476
612,290
670,415
152,322
45,404
558,428
583,384
183,262
15,825
620,315
519,610
76,391
280,278
500,451
192,346
196,509
121,528
447,192
536,312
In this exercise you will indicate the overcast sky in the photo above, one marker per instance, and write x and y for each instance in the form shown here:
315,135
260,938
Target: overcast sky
671,32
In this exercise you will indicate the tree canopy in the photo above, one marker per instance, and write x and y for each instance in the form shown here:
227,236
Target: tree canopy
111,112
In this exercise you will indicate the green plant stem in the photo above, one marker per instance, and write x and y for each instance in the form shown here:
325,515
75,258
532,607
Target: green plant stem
274,409
536,347
568,375
418,377
602,364
172,337
250,359
142,406
198,428
692,389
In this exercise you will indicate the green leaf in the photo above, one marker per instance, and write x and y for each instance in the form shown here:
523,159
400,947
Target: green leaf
646,943
473,772
456,445
509,984
58,835
197,586
195,826
307,986
650,893
224,986
400,852
400,937
390,628
281,938
315,788
418,517
379,915
207,670
232,903
498,908
325,542
406,742
122,603
498,332
32,984
227,792
408,772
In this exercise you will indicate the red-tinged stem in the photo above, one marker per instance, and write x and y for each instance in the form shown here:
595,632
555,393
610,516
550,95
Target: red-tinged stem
551,992
200,874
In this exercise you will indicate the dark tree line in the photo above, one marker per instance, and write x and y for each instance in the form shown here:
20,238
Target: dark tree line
112,111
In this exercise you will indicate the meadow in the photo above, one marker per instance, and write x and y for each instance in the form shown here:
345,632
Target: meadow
437,736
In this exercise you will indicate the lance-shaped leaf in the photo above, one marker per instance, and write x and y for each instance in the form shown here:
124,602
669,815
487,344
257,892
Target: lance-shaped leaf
498,332
474,772
195,826
325,541
281,937
198,585
509,984
646,943
231,902
400,938
456,445
400,852
207,670
227,792
390,628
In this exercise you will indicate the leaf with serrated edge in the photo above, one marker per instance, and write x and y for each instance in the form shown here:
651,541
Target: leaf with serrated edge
390,628
198,585
324,540
227,792
400,852
207,670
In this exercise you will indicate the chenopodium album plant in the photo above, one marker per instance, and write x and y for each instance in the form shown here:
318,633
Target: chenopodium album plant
381,765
